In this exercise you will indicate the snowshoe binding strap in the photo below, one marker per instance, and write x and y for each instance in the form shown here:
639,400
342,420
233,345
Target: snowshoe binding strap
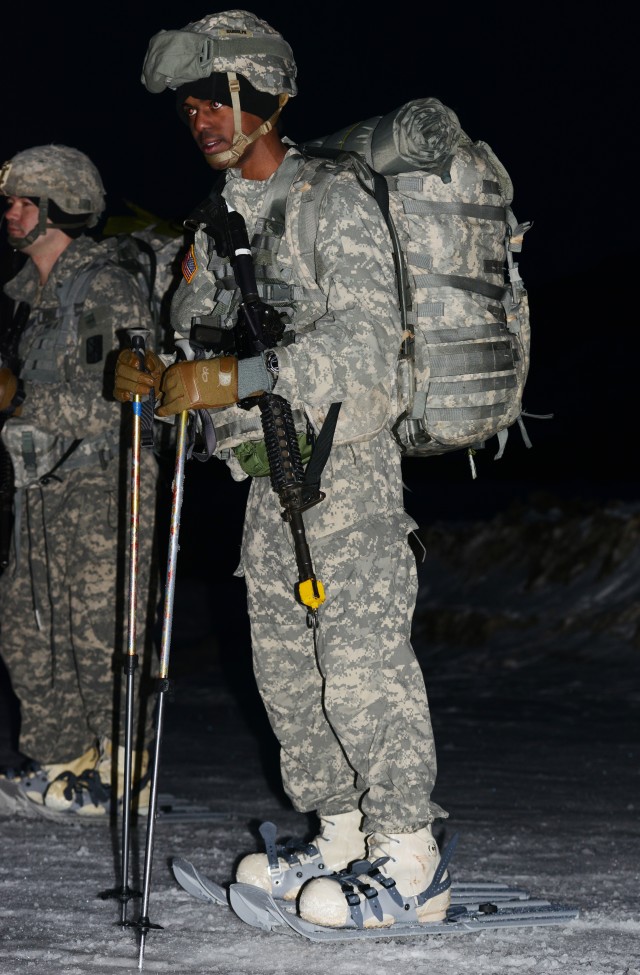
268,834
438,885
304,862
365,900
86,786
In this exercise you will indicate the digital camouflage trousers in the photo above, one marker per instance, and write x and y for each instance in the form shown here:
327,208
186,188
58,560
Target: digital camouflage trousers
350,709
65,605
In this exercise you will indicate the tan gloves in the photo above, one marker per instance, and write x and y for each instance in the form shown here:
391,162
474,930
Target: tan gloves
8,390
203,383
130,381
196,384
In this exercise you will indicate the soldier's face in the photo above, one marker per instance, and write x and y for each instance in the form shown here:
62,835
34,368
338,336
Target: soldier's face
211,125
21,216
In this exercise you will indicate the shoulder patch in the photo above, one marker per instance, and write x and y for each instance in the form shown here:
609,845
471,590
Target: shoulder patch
189,265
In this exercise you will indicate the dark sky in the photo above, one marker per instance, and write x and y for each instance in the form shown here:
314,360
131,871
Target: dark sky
549,93
548,87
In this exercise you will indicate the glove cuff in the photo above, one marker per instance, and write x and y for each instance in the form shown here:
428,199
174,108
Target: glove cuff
253,377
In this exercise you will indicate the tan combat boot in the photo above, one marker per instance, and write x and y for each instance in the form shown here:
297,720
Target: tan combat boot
397,890
338,843
53,785
110,778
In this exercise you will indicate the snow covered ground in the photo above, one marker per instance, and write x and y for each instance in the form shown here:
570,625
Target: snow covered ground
528,634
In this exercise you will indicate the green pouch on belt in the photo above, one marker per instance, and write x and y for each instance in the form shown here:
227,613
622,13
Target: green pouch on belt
252,455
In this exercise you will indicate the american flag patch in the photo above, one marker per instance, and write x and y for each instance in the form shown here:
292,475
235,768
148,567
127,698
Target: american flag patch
189,265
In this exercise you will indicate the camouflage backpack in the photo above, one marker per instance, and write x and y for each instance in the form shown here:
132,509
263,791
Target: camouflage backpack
464,343
152,258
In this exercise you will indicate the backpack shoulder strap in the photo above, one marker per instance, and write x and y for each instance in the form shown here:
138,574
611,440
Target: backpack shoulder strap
75,289
375,184
276,203
128,248
314,172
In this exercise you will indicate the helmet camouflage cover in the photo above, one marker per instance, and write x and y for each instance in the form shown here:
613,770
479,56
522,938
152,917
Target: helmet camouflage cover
58,173
234,40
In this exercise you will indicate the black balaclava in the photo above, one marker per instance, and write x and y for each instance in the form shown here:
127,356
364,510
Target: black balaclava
215,88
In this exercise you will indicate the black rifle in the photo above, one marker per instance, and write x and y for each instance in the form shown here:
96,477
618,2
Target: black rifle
259,328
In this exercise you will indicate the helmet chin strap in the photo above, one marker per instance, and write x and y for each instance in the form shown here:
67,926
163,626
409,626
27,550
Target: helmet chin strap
19,243
240,140
43,224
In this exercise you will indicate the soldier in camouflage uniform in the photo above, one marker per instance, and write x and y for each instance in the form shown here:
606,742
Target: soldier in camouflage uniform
63,594
349,708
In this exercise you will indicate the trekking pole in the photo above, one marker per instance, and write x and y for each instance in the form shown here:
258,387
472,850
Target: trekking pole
163,683
138,340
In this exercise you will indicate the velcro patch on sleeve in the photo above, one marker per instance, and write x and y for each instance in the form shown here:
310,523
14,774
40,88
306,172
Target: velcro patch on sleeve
189,265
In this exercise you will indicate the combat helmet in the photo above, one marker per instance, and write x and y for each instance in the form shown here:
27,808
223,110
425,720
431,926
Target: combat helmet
63,180
233,42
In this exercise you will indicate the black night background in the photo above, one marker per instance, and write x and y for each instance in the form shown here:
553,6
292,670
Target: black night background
551,89
548,89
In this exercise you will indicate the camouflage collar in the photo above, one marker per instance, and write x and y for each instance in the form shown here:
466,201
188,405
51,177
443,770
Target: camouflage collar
25,285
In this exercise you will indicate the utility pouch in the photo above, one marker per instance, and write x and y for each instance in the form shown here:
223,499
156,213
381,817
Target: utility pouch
94,338
252,455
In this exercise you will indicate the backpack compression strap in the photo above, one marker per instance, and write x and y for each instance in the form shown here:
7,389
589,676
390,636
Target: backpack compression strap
72,297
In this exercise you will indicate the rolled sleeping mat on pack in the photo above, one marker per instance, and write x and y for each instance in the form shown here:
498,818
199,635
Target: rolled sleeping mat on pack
422,134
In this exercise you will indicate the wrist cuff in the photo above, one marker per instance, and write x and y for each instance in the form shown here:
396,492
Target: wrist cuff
253,377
